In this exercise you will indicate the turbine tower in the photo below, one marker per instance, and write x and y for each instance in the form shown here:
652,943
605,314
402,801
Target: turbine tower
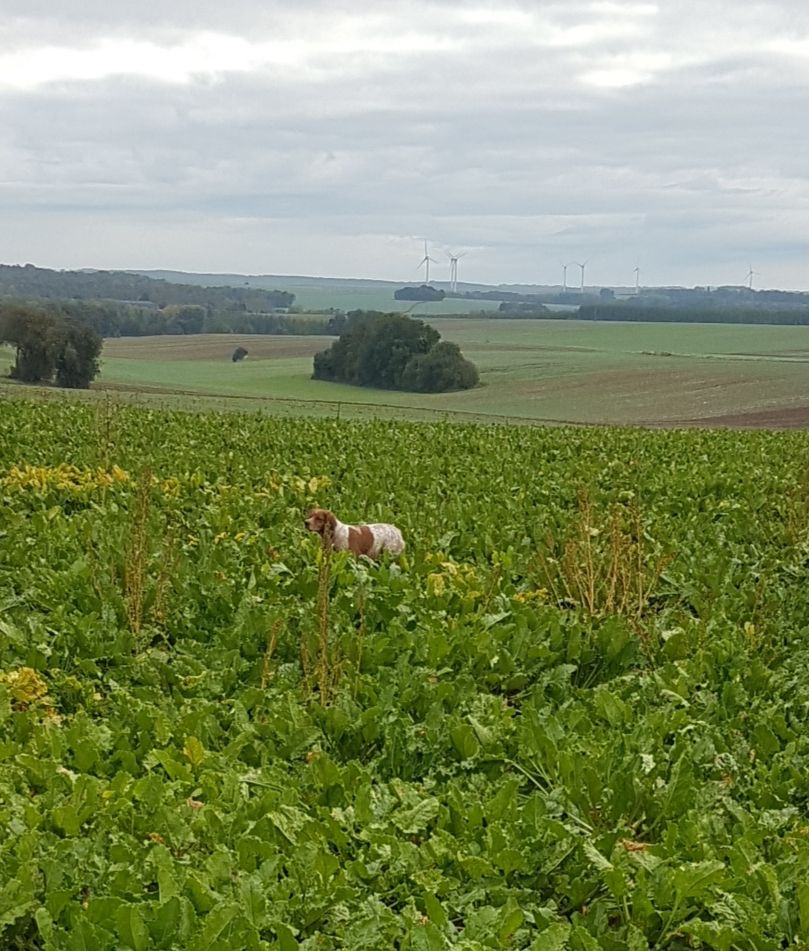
564,279
581,264
749,278
426,260
453,271
637,279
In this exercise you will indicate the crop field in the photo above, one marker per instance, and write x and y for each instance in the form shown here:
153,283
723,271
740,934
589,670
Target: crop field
381,298
549,371
571,716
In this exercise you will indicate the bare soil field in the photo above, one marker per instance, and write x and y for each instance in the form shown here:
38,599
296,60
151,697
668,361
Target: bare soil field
212,347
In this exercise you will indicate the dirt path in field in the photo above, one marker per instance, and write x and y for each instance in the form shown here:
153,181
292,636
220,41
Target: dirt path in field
794,417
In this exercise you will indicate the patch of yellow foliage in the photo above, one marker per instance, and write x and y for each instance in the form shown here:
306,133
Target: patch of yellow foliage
65,478
25,685
454,578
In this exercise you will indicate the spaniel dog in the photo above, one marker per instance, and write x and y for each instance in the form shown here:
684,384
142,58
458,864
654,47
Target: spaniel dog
369,540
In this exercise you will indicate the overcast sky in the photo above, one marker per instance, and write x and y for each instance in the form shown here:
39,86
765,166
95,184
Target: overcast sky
305,138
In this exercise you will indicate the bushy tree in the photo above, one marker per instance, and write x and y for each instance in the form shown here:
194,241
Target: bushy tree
443,368
394,352
47,343
77,356
34,335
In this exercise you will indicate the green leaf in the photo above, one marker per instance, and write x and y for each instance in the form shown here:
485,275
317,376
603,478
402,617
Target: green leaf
131,927
582,940
554,938
67,819
286,937
251,892
595,857
215,922
512,918
803,907
411,821
435,910
194,751
464,740
165,923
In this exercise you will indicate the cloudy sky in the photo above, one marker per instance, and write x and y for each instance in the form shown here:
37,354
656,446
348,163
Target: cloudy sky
307,138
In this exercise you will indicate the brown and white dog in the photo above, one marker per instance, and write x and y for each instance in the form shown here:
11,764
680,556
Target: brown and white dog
369,540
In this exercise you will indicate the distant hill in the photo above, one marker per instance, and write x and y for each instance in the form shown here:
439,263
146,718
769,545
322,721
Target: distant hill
285,281
27,281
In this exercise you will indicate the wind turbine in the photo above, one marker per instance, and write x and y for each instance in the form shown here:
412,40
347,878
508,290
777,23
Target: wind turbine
637,279
581,264
453,270
749,278
426,262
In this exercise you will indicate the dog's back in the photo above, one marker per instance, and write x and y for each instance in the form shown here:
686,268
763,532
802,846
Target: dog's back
385,538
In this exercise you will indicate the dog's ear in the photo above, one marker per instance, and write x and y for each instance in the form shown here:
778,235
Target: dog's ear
329,521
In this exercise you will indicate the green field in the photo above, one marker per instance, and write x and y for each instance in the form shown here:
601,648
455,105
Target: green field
548,371
572,716
323,293
531,371
380,298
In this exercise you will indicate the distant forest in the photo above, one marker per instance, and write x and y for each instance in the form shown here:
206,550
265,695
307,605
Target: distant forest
119,304
693,313
115,319
27,281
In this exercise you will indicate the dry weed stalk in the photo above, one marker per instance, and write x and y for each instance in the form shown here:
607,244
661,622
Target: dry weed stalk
360,642
137,555
603,567
325,668
796,517
168,558
269,650
105,430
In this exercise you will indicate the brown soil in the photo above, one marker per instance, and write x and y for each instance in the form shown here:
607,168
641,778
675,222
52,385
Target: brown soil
794,417
212,346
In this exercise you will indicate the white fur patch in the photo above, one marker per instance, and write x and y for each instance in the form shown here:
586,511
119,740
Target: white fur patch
385,538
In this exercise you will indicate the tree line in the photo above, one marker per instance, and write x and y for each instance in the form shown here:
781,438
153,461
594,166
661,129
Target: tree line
50,347
394,352
115,319
27,281
637,310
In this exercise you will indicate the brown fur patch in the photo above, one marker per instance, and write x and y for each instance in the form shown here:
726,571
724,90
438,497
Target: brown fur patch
360,540
320,521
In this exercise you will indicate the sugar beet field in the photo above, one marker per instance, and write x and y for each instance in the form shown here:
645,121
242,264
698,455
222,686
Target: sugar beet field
574,715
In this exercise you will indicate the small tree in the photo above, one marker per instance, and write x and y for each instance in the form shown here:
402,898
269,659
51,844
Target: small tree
77,357
46,343
35,336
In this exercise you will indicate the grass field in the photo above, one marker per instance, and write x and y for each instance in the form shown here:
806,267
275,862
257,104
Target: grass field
381,298
548,371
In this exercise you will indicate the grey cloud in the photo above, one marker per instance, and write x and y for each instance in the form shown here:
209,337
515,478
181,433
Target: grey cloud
494,142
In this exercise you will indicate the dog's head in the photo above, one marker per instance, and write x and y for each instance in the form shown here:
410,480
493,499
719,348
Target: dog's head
319,520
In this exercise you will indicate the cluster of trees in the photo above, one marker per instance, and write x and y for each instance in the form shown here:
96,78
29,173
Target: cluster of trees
520,309
29,281
115,319
50,346
422,292
394,352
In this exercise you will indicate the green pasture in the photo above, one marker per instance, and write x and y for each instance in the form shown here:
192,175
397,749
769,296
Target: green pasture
550,370
380,298
547,371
